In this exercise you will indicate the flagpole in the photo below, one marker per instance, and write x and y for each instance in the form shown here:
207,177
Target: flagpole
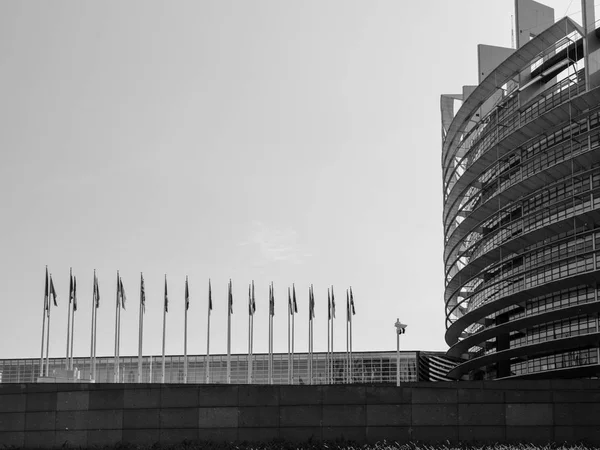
73,317
328,356
48,332
185,358
289,337
208,335
164,331
141,328
95,322
293,317
46,299
229,300
116,363
69,315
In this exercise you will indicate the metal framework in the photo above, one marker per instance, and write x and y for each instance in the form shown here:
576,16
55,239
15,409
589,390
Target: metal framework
521,178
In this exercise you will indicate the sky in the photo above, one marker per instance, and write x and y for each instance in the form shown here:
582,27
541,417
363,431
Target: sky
286,142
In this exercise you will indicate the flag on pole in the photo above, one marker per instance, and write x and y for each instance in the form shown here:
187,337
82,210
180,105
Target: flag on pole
328,306
71,288
209,297
53,291
294,298
271,300
253,299
347,306
230,298
290,307
143,294
46,291
250,300
122,292
187,295
311,313
332,303
96,291
352,302
74,294
166,296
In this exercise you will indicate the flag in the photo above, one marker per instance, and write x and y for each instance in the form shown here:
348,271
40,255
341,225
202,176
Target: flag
332,303
187,295
142,294
209,296
290,310
46,291
271,300
250,300
347,306
166,296
230,298
122,292
294,298
311,303
53,291
253,299
328,306
74,293
352,302
96,291
70,288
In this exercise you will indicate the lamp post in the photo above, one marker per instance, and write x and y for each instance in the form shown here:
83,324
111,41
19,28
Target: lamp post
400,329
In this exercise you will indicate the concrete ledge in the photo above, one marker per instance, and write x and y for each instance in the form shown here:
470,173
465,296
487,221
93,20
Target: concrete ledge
300,395
344,395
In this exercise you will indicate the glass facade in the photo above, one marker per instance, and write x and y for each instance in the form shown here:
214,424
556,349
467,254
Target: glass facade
521,173
367,367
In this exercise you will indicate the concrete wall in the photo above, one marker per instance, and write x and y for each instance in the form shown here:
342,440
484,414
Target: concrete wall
45,415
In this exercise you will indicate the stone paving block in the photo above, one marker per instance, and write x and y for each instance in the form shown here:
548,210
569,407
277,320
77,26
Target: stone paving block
71,420
357,434
217,395
44,420
389,415
300,416
344,416
300,434
42,401
72,401
481,434
477,414
141,419
179,418
514,396
251,395
178,396
377,395
529,434
63,438
12,439
218,434
109,399
585,414
173,436
40,439
435,415
576,396
12,421
146,398
435,434
300,395
141,437
433,395
218,417
344,395
102,438
107,419
12,403
480,396
529,414
263,434
389,434
258,416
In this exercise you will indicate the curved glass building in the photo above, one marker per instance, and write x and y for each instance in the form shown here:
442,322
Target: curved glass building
521,187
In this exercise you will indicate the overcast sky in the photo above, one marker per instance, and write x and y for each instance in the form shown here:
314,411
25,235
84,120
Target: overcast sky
285,141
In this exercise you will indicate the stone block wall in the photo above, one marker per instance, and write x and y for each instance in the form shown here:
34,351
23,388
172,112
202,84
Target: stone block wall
52,415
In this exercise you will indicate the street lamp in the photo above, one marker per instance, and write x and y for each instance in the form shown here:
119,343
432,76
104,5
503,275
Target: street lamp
400,329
